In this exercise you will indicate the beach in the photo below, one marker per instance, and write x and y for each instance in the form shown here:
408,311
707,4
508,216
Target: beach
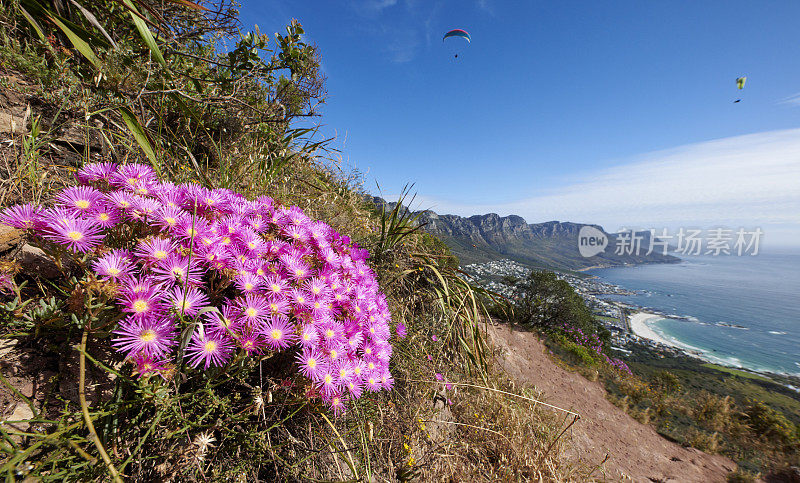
638,322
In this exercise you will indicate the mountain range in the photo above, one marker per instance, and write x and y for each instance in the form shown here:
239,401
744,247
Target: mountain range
552,244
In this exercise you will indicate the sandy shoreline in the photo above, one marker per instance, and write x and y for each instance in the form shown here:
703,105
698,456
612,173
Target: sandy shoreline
638,322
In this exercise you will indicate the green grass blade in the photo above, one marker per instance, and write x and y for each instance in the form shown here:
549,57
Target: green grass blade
147,36
139,134
80,45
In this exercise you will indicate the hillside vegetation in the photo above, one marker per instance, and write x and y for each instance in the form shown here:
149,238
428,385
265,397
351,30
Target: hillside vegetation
175,87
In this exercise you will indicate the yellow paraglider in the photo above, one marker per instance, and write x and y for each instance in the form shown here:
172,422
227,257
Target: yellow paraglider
740,81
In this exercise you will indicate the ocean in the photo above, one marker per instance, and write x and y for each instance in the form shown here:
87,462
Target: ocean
761,294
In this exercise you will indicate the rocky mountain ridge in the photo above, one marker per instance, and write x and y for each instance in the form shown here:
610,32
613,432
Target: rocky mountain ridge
551,244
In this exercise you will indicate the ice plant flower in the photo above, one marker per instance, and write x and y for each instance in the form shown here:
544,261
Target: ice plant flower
80,199
77,234
21,216
249,273
278,333
114,265
208,350
186,301
149,337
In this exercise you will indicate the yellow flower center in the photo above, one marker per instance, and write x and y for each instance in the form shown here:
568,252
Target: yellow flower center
75,235
248,286
334,354
273,307
140,306
178,272
276,334
160,254
170,221
329,334
299,272
275,287
103,216
312,363
301,300
147,336
113,271
251,312
328,379
210,346
371,366
82,204
132,181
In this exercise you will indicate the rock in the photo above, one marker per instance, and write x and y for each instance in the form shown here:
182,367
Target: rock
9,237
35,261
12,124
22,413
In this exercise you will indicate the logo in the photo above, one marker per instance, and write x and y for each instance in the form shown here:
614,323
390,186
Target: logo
591,241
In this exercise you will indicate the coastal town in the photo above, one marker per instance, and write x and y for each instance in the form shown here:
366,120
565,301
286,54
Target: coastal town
499,276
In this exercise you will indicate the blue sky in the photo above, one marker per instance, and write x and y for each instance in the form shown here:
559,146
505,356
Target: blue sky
566,100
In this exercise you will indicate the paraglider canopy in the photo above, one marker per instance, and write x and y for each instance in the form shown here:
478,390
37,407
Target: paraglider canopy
740,82
457,33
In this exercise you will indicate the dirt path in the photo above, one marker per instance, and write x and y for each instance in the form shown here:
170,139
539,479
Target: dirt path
636,452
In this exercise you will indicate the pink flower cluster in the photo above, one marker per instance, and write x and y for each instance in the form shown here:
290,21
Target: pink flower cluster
592,341
251,275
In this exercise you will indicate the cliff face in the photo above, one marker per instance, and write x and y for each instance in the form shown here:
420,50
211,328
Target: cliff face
552,244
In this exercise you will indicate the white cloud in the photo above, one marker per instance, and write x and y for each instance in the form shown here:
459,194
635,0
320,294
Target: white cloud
751,180
794,100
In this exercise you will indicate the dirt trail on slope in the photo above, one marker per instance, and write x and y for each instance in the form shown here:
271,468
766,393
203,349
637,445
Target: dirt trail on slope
636,452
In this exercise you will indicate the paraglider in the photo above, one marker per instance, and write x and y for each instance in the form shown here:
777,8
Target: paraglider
456,34
740,81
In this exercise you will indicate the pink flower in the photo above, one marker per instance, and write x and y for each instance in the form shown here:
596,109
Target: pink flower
80,199
21,216
208,349
76,234
439,377
113,265
278,332
150,337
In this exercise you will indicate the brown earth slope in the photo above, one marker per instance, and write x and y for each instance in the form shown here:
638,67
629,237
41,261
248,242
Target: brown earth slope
635,451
